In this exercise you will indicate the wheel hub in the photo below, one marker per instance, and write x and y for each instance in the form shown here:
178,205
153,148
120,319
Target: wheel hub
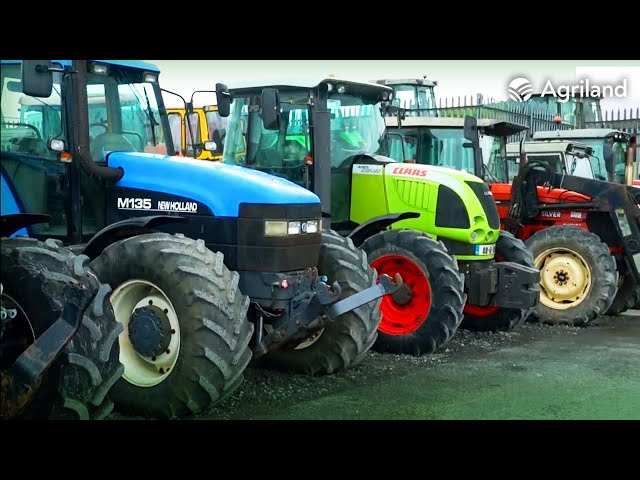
561,277
403,295
149,331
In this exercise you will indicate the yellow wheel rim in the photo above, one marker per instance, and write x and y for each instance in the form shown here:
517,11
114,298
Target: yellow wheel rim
565,278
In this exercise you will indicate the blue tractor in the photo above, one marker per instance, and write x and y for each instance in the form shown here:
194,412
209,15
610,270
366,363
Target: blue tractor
210,264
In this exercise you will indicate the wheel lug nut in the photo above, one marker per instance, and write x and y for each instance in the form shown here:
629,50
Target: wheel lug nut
153,359
167,350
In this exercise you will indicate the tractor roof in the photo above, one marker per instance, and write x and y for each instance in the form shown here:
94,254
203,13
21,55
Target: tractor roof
406,81
577,133
299,84
140,65
497,128
551,146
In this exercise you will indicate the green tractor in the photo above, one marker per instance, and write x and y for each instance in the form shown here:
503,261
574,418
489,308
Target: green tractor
437,228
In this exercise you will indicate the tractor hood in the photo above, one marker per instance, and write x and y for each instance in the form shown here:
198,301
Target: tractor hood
220,186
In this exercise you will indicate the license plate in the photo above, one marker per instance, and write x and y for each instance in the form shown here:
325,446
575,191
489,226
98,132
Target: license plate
486,249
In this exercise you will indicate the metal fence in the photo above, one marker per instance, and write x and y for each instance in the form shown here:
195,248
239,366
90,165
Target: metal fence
524,113
625,120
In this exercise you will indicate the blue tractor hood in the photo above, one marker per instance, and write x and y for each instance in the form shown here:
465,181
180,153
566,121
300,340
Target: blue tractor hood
220,186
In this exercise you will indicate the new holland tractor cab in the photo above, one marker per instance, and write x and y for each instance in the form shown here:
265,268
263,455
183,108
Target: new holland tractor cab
209,263
611,146
329,135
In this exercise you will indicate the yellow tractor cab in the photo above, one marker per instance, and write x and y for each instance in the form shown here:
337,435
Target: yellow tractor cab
202,136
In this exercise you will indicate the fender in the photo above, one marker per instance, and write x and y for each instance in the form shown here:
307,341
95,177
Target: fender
10,224
377,225
125,229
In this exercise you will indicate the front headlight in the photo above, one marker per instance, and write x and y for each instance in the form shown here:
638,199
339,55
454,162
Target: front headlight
294,228
312,226
275,228
282,228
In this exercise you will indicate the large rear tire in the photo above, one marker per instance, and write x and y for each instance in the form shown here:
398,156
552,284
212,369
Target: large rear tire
345,342
627,297
426,313
508,249
578,277
185,341
42,279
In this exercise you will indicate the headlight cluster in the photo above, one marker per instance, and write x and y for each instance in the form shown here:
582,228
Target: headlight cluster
282,228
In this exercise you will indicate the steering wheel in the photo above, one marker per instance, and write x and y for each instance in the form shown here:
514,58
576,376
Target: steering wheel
20,124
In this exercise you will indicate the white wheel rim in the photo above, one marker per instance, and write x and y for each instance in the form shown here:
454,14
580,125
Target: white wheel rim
311,340
138,370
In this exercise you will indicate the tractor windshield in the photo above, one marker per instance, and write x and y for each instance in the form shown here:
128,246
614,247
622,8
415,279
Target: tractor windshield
417,98
124,114
607,152
282,152
355,128
444,147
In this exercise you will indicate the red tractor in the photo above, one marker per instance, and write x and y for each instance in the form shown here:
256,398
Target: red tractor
584,235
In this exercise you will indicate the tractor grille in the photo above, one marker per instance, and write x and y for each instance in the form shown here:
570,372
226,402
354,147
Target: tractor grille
415,194
487,201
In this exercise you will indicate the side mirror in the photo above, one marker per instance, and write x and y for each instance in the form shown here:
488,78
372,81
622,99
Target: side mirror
271,108
37,78
471,132
223,99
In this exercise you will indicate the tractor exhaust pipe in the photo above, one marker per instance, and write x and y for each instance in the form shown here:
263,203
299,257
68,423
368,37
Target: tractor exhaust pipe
80,134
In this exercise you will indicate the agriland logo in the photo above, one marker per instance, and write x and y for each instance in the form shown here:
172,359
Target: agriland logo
520,89
584,89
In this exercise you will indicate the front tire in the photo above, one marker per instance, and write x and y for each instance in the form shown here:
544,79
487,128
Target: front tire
42,279
426,314
481,319
200,345
344,342
578,277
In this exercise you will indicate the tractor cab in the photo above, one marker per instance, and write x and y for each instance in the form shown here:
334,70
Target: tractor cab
575,110
307,132
610,147
441,141
122,114
415,95
199,134
569,158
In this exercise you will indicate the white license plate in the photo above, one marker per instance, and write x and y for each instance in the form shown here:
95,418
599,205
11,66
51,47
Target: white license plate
486,249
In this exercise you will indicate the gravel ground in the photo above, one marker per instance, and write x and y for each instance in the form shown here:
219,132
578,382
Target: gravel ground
263,390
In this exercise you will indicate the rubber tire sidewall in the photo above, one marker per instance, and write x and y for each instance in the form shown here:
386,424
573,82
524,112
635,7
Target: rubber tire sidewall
211,311
446,283
602,264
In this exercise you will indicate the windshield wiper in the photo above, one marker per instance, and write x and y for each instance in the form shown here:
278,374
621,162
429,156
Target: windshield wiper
152,120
